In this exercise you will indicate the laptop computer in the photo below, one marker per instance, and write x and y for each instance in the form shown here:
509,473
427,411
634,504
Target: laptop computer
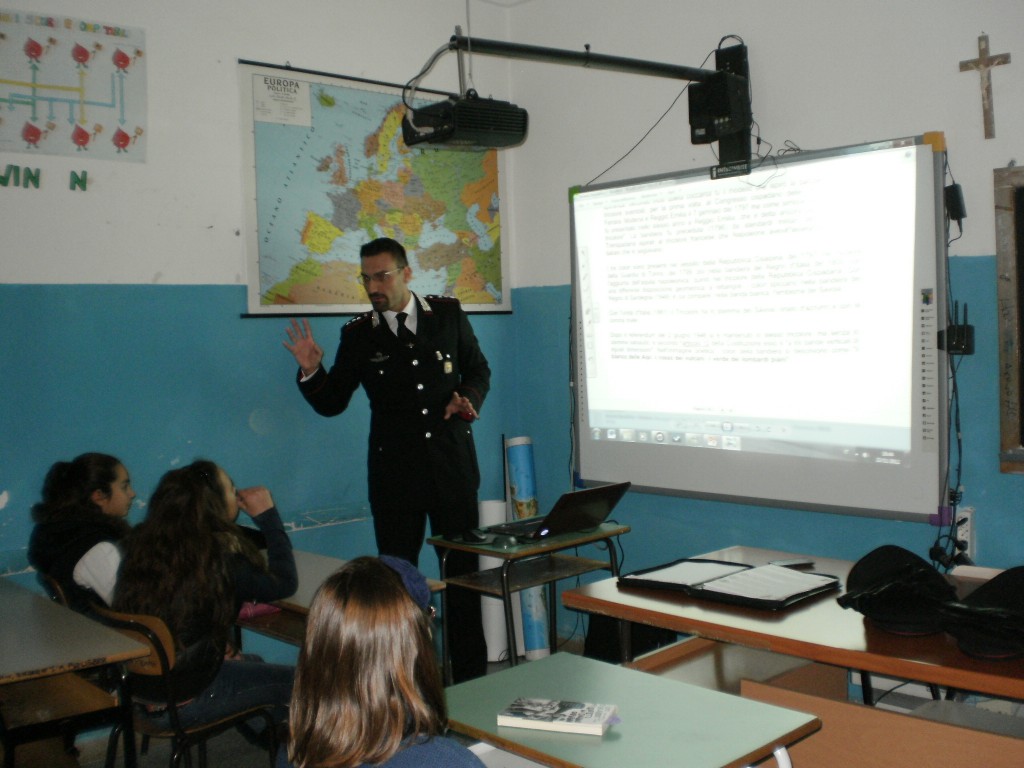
573,512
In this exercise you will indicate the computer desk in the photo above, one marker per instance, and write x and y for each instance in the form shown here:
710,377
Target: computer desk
525,565
817,629
663,722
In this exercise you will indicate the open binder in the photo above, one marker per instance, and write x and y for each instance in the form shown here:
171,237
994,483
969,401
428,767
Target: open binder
763,586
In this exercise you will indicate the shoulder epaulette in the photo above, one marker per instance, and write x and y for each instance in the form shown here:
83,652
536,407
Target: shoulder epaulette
435,297
358,319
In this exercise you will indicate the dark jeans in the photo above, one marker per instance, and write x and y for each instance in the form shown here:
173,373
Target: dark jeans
240,684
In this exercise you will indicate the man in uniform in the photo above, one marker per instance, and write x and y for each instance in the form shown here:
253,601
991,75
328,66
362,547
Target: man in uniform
420,364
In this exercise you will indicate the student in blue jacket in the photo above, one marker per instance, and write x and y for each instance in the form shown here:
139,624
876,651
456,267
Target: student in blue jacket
367,686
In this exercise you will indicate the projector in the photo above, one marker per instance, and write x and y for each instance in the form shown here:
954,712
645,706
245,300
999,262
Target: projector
466,123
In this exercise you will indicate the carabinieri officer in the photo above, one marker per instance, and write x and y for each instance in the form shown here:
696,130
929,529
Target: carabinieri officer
420,364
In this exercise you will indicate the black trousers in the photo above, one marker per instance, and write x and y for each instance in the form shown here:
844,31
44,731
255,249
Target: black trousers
400,532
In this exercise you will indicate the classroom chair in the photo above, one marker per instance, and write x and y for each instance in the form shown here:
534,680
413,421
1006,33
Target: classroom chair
153,632
53,589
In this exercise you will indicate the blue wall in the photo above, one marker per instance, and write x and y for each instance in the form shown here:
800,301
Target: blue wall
158,375
161,374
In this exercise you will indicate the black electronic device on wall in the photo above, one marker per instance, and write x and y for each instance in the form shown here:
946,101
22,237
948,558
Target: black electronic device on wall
720,107
468,122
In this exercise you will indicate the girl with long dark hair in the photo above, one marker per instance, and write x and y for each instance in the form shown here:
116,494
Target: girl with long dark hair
78,524
191,565
367,685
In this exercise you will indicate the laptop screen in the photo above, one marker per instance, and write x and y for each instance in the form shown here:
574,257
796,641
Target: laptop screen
574,511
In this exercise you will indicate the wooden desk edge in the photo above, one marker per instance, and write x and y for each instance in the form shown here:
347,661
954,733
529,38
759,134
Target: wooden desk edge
289,604
796,734
787,739
508,745
78,666
991,682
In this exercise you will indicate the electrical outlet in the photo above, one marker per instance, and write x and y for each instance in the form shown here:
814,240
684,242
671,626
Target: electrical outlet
964,531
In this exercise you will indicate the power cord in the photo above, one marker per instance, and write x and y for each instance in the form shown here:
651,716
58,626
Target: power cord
948,551
656,122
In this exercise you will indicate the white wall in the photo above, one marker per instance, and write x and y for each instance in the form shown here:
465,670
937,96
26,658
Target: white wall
178,218
824,74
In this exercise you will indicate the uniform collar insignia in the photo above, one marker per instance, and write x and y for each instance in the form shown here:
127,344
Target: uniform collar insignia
425,308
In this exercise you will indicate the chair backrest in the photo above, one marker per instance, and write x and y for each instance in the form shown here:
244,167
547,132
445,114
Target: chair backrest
53,588
149,630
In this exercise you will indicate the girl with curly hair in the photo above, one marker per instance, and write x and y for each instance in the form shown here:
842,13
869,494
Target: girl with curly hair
191,565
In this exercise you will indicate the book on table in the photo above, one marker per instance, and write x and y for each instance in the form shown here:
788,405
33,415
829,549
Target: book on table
763,586
558,715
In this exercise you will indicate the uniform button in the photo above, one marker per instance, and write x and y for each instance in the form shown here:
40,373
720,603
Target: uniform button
381,372
415,362
425,411
419,386
427,435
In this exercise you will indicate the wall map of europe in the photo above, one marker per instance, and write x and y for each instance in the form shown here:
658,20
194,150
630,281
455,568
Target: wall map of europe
328,171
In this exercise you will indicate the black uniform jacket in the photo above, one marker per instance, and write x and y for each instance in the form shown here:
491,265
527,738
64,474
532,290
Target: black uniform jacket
412,450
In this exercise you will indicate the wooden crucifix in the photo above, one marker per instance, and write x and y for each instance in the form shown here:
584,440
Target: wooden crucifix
983,64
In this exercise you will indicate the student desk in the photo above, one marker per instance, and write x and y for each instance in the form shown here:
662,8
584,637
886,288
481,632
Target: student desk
41,639
663,722
525,565
817,629
289,624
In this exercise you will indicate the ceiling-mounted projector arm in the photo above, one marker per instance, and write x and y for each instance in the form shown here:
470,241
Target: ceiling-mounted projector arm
468,121
584,59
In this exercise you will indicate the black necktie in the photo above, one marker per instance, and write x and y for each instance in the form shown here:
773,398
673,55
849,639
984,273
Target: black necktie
404,334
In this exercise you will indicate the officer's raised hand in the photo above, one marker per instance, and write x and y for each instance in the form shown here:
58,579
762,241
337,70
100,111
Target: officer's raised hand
303,346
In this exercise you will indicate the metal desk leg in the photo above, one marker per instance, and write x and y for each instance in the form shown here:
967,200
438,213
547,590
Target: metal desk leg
625,636
867,692
552,618
510,626
446,659
125,729
613,557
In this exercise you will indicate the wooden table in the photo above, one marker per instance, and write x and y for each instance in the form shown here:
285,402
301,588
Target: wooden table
817,630
289,624
525,565
663,722
41,639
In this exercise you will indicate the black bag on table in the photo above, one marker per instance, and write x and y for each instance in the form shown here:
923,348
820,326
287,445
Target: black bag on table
989,622
899,591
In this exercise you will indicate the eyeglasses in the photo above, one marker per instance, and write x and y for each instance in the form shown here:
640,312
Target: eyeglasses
377,277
